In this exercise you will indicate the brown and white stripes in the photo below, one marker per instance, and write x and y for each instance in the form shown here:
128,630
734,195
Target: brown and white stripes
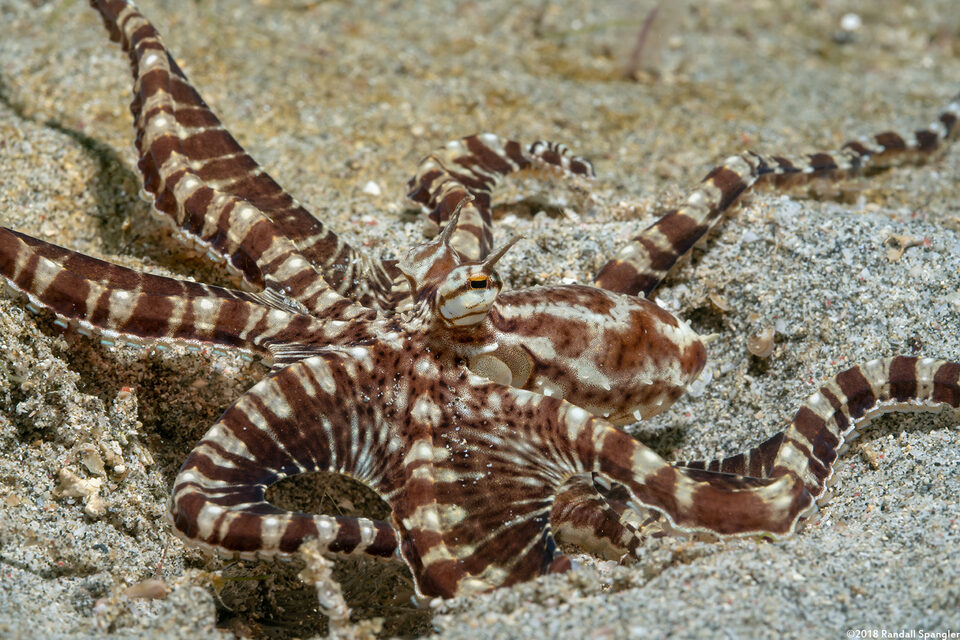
218,197
121,305
831,418
641,265
464,173
479,471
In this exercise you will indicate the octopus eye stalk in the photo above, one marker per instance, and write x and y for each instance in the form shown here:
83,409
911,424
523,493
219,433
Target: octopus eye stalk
454,219
427,263
495,256
468,292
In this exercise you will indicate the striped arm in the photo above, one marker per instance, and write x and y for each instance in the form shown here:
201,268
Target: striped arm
462,535
430,448
122,305
219,199
602,522
831,418
304,418
641,265
469,170
756,463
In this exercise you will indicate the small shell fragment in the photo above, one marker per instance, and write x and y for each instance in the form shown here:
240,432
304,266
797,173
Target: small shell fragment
760,343
896,244
719,301
870,456
149,589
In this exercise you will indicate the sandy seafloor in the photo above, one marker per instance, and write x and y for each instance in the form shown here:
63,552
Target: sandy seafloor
334,97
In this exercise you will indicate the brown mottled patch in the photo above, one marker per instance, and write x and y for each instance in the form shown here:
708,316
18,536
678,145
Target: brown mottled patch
515,152
657,349
416,492
560,564
504,548
731,185
948,120
857,390
891,141
486,157
946,384
903,378
584,446
658,258
692,359
857,147
348,536
734,464
150,317
196,208
822,162
839,417
421,185
927,140
384,544
763,455
299,528
623,277
808,424
616,456
66,294
440,578
729,513
658,490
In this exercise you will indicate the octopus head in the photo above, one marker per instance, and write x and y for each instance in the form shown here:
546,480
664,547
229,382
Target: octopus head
458,293
466,294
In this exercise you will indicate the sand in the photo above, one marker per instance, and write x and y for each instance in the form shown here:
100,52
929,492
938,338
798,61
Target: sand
333,97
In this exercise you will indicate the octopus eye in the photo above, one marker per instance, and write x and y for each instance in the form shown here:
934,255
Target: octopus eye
479,282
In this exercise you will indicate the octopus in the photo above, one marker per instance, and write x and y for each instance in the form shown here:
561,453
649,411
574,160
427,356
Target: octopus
489,420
